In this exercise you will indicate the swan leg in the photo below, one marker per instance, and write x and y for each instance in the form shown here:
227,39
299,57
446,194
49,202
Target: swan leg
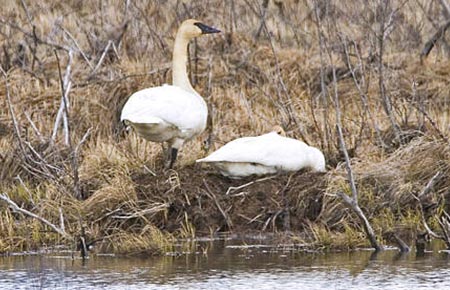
173,156
172,152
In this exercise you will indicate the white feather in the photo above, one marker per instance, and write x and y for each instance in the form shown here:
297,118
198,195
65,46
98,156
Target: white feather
268,153
167,106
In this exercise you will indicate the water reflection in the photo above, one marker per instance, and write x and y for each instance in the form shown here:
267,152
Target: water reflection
228,267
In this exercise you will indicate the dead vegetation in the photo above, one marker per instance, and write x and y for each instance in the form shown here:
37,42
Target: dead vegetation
67,69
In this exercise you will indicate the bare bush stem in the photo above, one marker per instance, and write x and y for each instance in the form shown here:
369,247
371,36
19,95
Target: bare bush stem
78,47
404,248
445,227
287,103
17,208
423,196
439,34
446,7
65,104
358,85
211,195
383,32
265,4
13,115
234,188
65,86
102,57
352,202
323,86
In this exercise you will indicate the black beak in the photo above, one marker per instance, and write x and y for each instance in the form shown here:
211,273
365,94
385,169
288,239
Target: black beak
206,29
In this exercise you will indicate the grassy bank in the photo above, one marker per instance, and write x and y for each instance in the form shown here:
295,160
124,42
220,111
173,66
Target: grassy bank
293,63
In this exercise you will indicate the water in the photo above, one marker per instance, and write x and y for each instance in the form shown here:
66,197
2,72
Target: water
228,267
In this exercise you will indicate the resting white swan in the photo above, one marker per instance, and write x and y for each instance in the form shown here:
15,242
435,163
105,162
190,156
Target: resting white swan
266,154
171,113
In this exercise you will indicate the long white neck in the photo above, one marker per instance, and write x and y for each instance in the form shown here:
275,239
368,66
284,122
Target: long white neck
179,71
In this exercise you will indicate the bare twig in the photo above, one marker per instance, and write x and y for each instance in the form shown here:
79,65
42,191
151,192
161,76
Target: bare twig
446,7
430,231
445,227
66,85
287,103
323,88
78,46
359,84
234,188
17,208
426,190
82,141
216,201
26,189
35,129
352,202
404,248
434,38
34,36
265,4
432,122
100,61
421,197
61,220
386,99
155,209
65,100
13,115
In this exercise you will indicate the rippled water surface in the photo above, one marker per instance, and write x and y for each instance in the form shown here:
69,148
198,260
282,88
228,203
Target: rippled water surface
228,267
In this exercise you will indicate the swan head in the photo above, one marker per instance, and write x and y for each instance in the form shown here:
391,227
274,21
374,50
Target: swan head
193,28
279,130
316,159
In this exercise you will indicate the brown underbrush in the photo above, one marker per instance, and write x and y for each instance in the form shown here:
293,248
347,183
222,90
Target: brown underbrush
294,63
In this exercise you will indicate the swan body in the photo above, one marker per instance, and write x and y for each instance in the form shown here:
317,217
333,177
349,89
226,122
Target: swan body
171,113
166,114
266,154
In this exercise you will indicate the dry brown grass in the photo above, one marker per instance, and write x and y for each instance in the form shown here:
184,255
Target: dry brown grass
130,204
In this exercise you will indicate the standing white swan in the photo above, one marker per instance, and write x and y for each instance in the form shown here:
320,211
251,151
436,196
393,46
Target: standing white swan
171,113
266,154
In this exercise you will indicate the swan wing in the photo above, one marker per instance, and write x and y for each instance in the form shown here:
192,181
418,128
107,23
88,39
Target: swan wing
166,104
268,149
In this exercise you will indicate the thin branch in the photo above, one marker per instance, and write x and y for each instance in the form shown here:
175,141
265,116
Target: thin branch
445,227
387,102
82,141
422,196
363,94
78,47
265,4
35,129
234,188
17,208
61,220
35,37
66,85
152,210
404,248
216,201
427,189
352,202
446,7
434,39
65,99
287,103
105,51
